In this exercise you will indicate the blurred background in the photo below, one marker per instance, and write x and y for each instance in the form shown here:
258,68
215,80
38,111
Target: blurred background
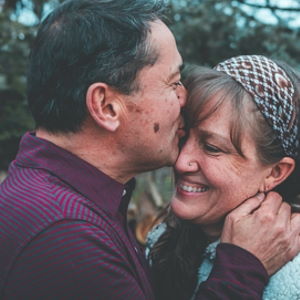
207,32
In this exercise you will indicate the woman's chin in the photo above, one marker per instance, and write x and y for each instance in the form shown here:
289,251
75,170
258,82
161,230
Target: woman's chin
184,211
195,215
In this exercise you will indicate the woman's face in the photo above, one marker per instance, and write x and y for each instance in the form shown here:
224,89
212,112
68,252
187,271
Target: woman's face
211,177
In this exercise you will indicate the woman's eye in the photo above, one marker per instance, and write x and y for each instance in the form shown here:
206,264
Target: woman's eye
211,148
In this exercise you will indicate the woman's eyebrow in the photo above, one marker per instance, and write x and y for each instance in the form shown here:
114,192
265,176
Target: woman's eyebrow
205,134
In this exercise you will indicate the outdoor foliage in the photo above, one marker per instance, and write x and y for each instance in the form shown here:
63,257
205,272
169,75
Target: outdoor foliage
207,32
15,40
211,31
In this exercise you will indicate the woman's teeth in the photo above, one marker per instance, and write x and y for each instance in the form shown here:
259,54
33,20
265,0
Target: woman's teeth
193,189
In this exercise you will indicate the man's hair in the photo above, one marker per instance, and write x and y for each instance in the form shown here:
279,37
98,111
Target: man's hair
82,42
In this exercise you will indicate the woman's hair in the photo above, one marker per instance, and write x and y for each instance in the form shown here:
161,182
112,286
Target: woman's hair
178,253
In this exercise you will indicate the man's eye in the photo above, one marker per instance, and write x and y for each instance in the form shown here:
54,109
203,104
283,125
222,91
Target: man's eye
177,84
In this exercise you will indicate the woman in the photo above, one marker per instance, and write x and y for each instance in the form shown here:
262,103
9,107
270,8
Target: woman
243,139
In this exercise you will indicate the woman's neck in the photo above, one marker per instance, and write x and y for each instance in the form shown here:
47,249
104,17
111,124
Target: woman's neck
212,231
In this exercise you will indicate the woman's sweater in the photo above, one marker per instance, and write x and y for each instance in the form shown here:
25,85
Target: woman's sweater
283,285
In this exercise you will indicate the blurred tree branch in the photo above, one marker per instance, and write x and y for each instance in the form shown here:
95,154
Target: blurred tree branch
269,6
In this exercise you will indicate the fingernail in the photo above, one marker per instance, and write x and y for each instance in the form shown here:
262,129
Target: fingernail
260,196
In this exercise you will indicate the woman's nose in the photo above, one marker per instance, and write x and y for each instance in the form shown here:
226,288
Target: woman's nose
187,160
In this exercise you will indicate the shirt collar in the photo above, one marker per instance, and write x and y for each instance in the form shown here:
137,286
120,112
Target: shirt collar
107,193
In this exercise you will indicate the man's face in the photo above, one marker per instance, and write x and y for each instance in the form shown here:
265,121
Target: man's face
152,127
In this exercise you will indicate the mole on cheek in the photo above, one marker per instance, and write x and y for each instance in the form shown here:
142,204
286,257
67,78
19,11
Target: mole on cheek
156,127
130,107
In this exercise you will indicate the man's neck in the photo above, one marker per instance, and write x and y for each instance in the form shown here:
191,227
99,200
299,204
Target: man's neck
99,152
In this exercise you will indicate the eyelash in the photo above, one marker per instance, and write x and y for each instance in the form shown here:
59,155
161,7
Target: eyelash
177,84
212,149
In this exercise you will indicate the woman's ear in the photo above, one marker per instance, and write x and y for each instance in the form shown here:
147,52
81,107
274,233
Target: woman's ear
278,173
104,105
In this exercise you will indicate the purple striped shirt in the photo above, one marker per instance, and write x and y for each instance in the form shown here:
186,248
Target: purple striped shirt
64,235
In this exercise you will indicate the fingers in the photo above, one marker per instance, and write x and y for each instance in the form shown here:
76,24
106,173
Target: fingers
295,222
271,204
274,213
282,220
284,214
249,205
294,244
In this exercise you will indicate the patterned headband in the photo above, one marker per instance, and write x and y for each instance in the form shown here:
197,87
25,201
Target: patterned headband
272,91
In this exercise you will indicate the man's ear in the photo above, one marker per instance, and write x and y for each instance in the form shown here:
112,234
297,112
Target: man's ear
104,105
278,173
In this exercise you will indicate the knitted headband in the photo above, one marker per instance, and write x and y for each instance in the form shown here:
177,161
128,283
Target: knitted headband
272,91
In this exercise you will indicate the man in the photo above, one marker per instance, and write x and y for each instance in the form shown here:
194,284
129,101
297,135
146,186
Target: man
104,89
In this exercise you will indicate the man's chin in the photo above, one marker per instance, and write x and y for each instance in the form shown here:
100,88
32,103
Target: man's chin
167,162
173,158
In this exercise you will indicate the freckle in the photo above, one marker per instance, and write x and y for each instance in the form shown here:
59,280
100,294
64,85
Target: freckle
130,107
156,127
